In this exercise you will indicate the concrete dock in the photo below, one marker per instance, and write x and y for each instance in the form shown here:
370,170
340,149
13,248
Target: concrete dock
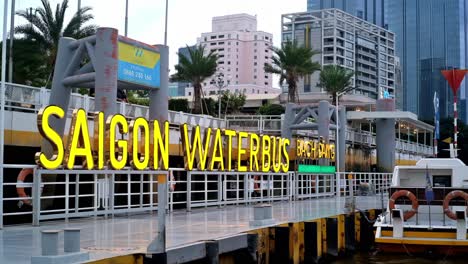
124,235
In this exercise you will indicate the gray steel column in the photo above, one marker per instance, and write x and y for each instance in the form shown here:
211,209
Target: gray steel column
324,120
289,116
342,121
59,94
158,110
12,36
106,53
323,123
385,137
159,98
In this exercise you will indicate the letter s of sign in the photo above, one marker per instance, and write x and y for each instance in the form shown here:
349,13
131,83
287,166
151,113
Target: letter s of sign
51,136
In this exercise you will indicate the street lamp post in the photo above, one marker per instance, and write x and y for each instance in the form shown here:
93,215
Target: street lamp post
220,83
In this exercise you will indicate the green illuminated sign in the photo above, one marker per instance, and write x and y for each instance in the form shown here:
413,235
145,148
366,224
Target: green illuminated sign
316,169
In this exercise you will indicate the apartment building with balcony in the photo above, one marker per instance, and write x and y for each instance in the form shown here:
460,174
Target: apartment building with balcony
242,53
350,42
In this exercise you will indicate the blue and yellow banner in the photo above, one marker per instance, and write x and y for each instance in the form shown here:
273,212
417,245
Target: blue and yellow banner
139,66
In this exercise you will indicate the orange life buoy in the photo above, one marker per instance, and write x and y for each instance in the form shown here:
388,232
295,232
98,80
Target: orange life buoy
448,198
20,185
414,202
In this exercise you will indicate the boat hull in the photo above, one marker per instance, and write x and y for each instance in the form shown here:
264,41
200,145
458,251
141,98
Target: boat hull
425,241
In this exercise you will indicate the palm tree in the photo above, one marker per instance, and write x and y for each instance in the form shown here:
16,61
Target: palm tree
46,28
195,68
292,62
335,79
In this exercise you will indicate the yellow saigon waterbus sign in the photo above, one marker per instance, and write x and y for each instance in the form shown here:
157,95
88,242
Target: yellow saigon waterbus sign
144,144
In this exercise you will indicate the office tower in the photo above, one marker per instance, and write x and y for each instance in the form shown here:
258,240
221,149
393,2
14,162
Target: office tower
369,10
431,36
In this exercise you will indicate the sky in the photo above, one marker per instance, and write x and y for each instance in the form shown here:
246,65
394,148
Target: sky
187,19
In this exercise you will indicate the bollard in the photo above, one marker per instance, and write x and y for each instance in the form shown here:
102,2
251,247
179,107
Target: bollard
258,212
263,215
71,240
267,211
50,242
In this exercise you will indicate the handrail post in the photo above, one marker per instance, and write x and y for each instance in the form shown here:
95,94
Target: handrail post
189,190
36,200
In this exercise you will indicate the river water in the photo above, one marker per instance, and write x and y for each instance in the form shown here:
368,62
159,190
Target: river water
380,258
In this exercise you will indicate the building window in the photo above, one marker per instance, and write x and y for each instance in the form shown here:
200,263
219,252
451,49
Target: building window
255,76
205,39
229,35
266,83
221,36
255,57
255,50
237,69
221,43
189,93
229,43
255,63
229,62
213,37
255,37
255,70
255,44
213,43
237,43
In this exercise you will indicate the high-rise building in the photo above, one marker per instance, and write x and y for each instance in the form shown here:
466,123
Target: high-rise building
369,10
349,41
431,36
242,51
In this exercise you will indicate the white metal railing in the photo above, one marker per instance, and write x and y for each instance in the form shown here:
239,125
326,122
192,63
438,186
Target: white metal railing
30,99
359,183
224,188
314,185
272,124
64,194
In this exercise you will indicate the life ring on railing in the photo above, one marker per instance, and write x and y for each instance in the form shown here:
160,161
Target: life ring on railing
20,186
448,198
414,202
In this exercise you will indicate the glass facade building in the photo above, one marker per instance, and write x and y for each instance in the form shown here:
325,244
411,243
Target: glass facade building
369,10
431,35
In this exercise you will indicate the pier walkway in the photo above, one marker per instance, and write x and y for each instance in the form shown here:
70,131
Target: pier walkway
129,234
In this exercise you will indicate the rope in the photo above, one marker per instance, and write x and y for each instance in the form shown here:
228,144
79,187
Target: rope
365,216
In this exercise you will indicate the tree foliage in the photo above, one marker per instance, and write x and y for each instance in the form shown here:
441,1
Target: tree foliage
335,79
292,62
271,109
179,105
195,68
44,28
28,64
232,103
